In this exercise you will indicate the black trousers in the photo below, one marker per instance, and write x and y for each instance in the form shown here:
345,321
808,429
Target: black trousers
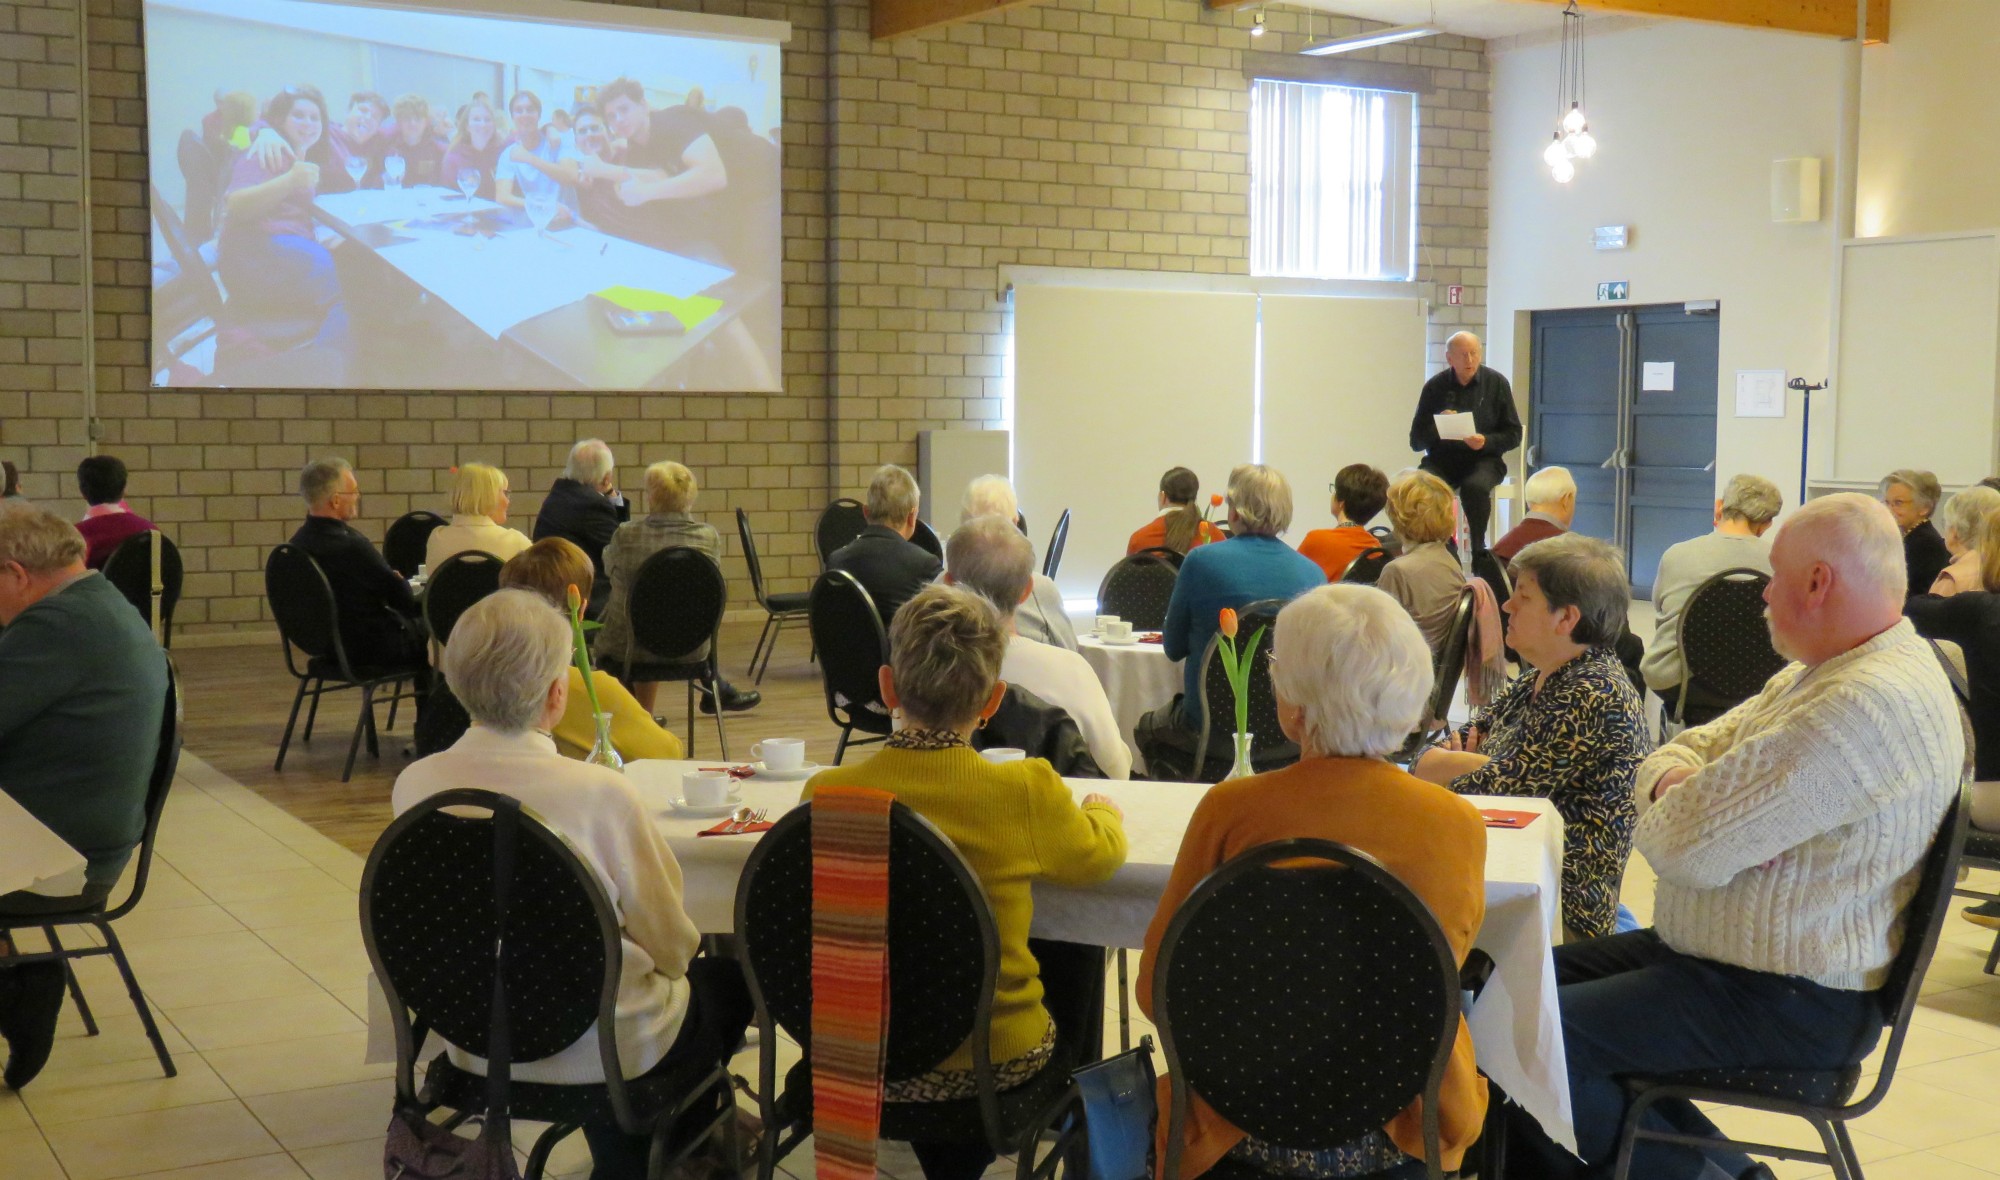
1633,1005
1474,480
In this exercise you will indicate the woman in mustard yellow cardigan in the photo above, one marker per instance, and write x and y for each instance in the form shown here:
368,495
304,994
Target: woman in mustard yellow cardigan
549,567
1015,823
1352,673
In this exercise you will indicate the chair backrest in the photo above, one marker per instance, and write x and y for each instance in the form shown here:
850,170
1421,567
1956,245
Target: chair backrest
676,604
839,523
1052,560
944,949
459,581
302,604
201,175
1450,665
750,558
403,545
1269,747
1173,557
852,644
130,569
428,922
926,538
1922,920
1367,566
1491,568
1138,589
1306,1003
1725,645
187,256
166,764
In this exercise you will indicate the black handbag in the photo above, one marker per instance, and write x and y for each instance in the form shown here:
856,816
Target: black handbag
1120,1113
419,1149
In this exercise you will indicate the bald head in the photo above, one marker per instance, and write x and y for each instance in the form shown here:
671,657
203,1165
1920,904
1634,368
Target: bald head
1837,577
1464,354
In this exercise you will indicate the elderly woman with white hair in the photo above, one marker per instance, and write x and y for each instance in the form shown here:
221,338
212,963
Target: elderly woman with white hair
1912,496
1749,505
508,662
1352,675
1252,565
1964,517
480,497
1040,616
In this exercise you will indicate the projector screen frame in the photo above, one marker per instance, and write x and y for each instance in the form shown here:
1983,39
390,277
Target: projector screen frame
580,12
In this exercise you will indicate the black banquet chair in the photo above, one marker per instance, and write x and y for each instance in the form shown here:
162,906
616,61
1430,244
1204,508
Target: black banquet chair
1335,972
1366,568
1726,652
1820,1097
1138,588
1052,560
676,605
308,623
153,591
779,608
838,523
1447,669
1982,851
852,649
1214,749
454,586
430,926
403,545
944,959
926,538
166,761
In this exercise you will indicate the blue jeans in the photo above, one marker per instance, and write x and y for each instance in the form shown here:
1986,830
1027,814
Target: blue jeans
1633,1005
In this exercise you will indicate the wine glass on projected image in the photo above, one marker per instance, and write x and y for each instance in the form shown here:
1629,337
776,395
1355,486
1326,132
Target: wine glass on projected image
357,167
541,211
468,181
392,172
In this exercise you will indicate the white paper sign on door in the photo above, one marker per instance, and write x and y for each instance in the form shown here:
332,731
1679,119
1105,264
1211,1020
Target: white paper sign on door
1657,377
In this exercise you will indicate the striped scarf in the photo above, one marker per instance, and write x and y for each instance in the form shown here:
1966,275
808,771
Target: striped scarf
850,976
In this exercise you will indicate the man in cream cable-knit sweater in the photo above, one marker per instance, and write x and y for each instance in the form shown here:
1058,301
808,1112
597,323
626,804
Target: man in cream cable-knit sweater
1787,837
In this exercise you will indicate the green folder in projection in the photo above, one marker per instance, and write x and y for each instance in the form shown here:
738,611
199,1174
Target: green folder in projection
690,311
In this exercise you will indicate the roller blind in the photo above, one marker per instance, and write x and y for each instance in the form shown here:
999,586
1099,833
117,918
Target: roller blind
1332,181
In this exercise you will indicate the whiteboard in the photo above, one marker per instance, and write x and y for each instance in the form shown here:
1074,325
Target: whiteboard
1918,370
1111,388
1340,381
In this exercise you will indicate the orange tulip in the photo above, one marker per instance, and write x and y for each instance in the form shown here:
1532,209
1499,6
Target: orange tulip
1228,623
1215,500
575,599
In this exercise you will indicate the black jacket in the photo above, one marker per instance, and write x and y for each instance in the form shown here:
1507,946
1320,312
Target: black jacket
587,517
891,569
1026,722
1925,554
371,598
1490,401
1971,619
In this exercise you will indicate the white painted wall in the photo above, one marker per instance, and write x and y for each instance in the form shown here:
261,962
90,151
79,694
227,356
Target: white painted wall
1928,121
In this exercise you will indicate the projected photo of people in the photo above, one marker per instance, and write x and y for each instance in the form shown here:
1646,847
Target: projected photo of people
351,196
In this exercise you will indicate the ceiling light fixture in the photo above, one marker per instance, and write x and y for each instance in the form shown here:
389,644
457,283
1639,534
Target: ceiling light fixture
1371,39
1572,140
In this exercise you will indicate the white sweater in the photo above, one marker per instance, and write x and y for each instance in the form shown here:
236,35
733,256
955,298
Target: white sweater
603,819
1797,843
1065,679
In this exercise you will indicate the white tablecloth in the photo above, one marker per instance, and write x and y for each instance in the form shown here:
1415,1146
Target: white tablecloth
33,857
1137,677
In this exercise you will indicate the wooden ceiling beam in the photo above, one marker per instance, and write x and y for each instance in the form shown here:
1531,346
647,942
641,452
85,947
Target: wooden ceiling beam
898,18
1825,18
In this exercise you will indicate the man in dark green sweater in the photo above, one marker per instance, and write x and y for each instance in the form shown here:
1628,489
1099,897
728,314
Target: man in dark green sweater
82,690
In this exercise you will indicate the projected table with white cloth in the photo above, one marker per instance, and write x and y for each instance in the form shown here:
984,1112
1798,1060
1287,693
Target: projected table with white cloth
531,288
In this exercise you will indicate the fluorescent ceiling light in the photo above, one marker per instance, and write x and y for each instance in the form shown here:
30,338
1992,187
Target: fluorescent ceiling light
1370,40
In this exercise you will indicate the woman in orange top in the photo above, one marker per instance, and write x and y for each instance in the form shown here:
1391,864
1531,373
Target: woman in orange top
1179,526
1352,673
1359,492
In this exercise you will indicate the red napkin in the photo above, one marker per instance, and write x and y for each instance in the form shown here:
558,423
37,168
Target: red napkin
735,772
1496,818
727,828
1151,637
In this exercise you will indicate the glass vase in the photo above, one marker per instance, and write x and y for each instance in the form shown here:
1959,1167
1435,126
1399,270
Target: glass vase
1241,768
602,752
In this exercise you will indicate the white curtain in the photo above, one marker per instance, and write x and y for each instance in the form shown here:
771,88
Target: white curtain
1332,181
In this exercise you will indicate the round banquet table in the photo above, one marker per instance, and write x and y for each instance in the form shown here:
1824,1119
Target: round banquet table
1137,677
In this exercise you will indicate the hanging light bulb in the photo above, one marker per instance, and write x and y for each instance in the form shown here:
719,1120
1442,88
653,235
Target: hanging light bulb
1583,144
1564,171
1555,155
1573,122
1257,29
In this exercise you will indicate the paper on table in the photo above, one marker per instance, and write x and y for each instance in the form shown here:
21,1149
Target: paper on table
1457,426
690,312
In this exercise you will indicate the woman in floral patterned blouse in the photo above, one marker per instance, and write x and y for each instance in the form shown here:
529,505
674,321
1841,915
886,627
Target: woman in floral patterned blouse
1570,728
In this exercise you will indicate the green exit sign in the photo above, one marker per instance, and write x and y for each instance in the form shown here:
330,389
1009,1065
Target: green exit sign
1614,292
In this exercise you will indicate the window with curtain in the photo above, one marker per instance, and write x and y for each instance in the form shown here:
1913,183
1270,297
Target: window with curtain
1332,181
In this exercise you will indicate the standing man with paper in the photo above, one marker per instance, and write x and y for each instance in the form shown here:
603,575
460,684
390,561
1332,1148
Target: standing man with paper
1465,423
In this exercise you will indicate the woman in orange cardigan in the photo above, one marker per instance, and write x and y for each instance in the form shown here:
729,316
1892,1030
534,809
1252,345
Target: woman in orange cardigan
1351,672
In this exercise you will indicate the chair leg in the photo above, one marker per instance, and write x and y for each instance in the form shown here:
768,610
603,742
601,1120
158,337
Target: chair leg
312,713
721,737
1846,1164
545,1145
360,726
1993,956
285,742
75,988
840,749
138,999
368,715
395,698
690,702
763,637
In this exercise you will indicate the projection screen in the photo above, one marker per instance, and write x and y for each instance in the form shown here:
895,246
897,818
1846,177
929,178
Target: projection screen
494,194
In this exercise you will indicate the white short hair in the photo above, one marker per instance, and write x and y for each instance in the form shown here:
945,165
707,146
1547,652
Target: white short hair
1458,338
989,495
989,555
1857,537
504,653
589,462
1550,485
1752,499
1261,498
1354,660
1966,512
892,496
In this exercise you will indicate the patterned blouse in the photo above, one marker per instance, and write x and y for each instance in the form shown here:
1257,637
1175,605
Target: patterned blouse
1578,743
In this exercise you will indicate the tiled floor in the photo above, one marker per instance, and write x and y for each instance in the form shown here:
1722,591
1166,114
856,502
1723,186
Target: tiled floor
247,944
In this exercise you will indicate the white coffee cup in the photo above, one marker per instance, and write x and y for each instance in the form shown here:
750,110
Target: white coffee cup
1103,622
423,571
780,753
705,788
1119,632
1003,754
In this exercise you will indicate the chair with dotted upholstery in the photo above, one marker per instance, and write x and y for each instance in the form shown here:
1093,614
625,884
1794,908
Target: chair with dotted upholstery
1367,566
1307,1004
1138,588
429,921
1726,652
1214,750
1819,1096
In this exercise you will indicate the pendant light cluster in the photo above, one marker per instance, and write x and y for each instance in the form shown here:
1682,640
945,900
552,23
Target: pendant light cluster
1572,140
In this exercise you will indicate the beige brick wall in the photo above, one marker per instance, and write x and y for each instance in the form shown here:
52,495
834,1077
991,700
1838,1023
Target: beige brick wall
1087,133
